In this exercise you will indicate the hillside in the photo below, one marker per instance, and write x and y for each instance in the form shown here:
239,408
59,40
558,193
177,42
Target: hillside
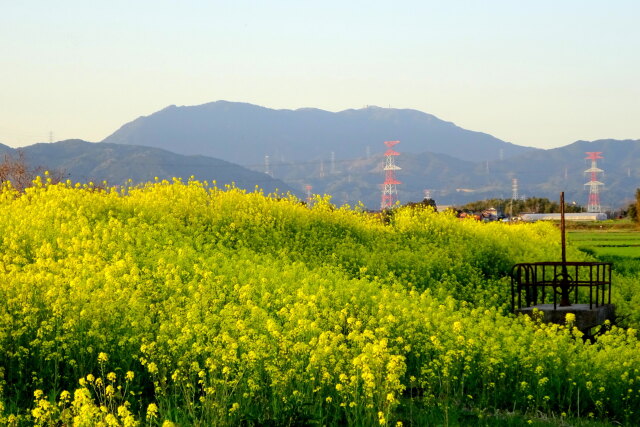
547,172
245,133
455,164
450,180
5,149
360,179
85,161
540,173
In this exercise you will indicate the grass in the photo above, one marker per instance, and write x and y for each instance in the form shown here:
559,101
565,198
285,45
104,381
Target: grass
442,414
610,242
609,225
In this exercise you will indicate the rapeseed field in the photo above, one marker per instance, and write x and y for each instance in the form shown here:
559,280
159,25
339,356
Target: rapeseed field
184,304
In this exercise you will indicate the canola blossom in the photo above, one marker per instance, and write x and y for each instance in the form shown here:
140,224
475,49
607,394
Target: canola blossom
184,303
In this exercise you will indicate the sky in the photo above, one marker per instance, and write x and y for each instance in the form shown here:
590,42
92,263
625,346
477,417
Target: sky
537,73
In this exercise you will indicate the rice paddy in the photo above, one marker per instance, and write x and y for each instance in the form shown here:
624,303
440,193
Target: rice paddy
607,243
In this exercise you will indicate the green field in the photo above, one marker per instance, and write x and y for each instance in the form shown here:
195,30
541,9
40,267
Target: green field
607,243
622,249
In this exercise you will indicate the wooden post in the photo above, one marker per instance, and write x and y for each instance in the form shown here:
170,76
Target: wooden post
564,283
562,229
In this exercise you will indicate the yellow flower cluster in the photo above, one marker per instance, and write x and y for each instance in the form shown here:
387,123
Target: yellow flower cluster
184,303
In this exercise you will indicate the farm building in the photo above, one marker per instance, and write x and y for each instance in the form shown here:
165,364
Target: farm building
579,216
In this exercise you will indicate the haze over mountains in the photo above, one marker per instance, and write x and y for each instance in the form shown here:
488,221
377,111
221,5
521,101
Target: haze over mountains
542,173
115,163
245,133
455,164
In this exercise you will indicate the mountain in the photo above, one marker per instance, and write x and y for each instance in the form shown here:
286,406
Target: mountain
360,179
541,173
245,133
5,149
551,171
85,161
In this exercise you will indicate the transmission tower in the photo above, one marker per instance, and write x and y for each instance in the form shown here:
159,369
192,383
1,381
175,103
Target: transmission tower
333,162
267,166
594,184
514,189
308,189
389,190
321,168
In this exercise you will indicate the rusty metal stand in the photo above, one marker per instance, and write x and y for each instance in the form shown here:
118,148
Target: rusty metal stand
564,279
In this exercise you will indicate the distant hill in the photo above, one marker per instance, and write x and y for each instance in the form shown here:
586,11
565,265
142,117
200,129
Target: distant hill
5,149
245,133
238,130
453,181
549,171
85,161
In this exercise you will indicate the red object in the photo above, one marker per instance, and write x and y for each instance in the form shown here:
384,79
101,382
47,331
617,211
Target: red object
389,190
594,194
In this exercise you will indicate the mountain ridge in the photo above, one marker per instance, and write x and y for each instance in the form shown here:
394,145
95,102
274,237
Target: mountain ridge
245,133
543,173
87,161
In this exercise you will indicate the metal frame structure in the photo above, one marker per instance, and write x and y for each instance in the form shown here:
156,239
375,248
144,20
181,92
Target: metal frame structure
389,189
544,282
594,184
308,189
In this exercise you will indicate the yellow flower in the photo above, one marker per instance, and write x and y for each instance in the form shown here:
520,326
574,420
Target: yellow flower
103,357
381,419
152,411
109,390
457,327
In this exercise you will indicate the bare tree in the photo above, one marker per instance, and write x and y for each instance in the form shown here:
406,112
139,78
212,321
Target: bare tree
16,170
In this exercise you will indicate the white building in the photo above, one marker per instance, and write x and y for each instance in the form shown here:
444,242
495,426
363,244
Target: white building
580,216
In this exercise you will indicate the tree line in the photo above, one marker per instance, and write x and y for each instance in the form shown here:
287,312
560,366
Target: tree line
516,207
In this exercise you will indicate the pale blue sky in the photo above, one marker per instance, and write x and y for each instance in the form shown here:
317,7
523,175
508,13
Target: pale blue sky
539,73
